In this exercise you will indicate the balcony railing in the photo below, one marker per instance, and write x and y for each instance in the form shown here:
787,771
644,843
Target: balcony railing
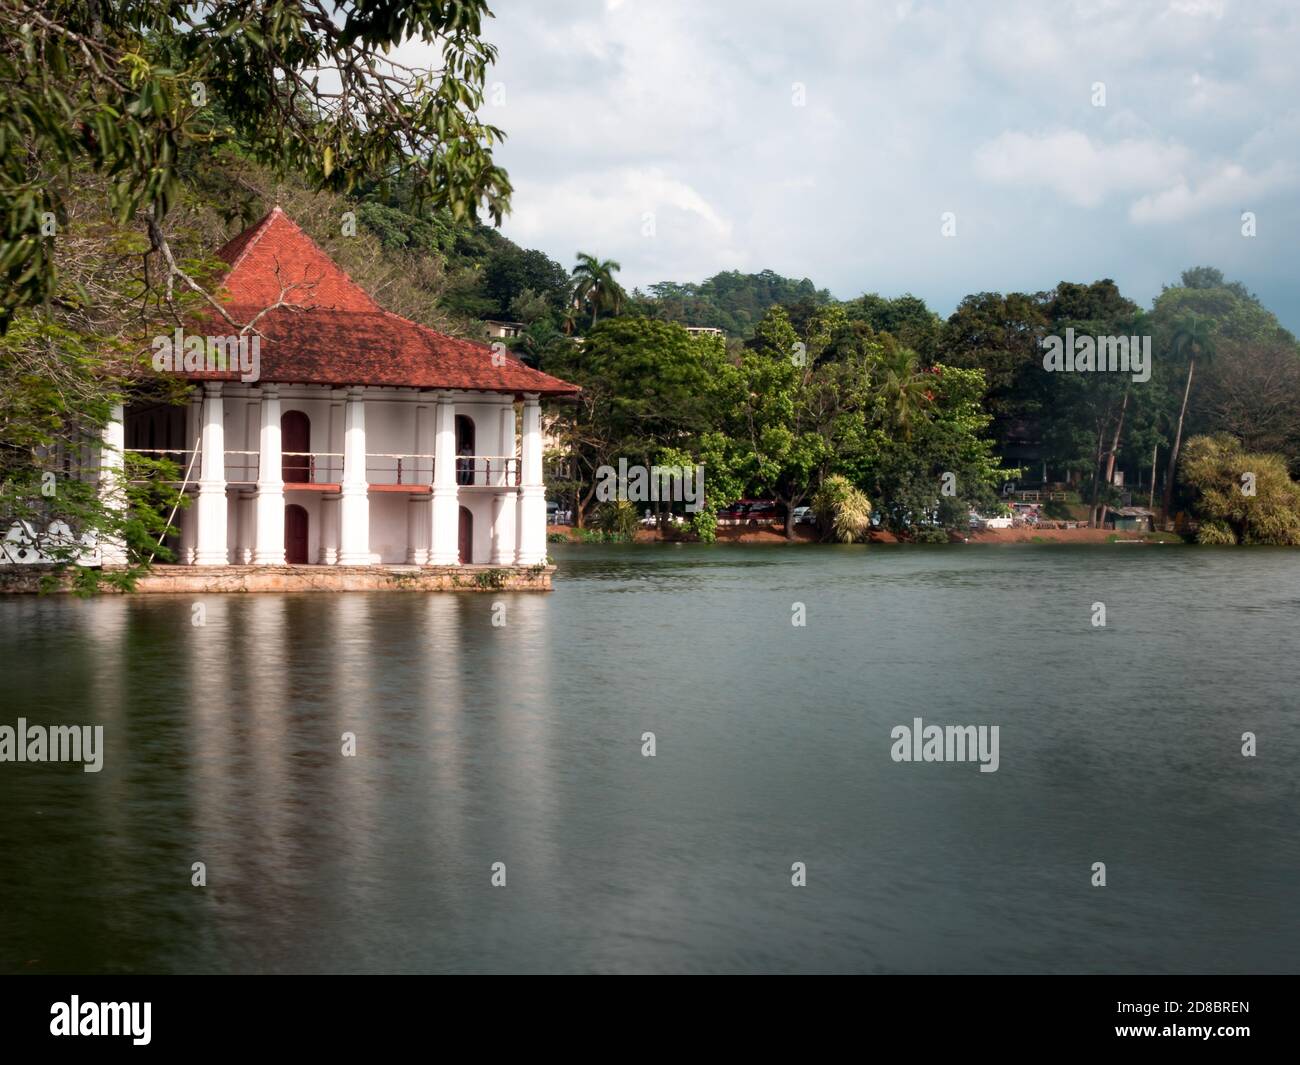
392,468
311,467
487,470
241,466
185,459
326,467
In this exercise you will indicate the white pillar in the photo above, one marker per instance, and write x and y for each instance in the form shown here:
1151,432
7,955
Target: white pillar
419,523
354,507
532,494
504,504
328,470
188,518
269,549
329,531
445,535
210,508
112,483
418,527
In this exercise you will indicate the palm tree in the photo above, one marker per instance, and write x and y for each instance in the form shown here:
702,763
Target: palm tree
1191,340
569,320
904,386
594,284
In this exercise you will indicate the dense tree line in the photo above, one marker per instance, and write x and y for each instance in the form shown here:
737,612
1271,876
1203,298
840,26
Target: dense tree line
888,396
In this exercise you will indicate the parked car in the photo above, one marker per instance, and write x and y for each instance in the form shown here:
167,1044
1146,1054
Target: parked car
979,521
733,512
805,516
762,509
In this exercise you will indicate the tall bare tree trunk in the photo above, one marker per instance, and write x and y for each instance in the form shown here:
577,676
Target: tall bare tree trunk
1178,440
1096,477
1151,499
1110,458
581,502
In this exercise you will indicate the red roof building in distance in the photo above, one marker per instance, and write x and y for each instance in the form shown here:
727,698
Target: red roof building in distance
324,430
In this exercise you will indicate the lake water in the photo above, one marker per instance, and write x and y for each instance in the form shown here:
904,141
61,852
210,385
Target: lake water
522,744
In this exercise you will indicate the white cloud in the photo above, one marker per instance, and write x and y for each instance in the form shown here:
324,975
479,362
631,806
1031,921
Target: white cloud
1082,172
1226,185
683,109
1214,9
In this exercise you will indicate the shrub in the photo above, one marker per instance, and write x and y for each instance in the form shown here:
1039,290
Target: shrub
930,536
704,523
843,510
617,519
1219,471
1215,532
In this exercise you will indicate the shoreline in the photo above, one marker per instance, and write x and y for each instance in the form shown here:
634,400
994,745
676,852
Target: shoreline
804,534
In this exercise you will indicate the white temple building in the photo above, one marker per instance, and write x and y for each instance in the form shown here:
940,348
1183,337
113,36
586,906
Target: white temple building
356,438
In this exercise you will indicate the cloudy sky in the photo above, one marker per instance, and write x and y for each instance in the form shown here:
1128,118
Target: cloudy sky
828,139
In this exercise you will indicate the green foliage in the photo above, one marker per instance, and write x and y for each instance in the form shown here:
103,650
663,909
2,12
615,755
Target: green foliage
618,520
399,229
704,524
907,319
786,418
843,510
930,536
906,474
130,89
594,286
646,387
1218,472
731,301
597,536
1216,533
492,579
513,272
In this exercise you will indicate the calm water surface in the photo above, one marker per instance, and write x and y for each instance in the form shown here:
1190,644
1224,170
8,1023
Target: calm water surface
522,744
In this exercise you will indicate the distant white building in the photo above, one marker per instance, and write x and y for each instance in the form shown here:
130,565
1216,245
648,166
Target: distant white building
503,330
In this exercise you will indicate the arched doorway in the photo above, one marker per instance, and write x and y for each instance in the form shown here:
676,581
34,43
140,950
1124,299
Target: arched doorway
464,446
295,535
466,536
295,436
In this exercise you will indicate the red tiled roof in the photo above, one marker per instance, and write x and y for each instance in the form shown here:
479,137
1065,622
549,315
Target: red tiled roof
332,333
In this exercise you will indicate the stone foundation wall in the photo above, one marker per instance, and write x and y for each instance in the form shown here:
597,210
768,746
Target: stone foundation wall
207,579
